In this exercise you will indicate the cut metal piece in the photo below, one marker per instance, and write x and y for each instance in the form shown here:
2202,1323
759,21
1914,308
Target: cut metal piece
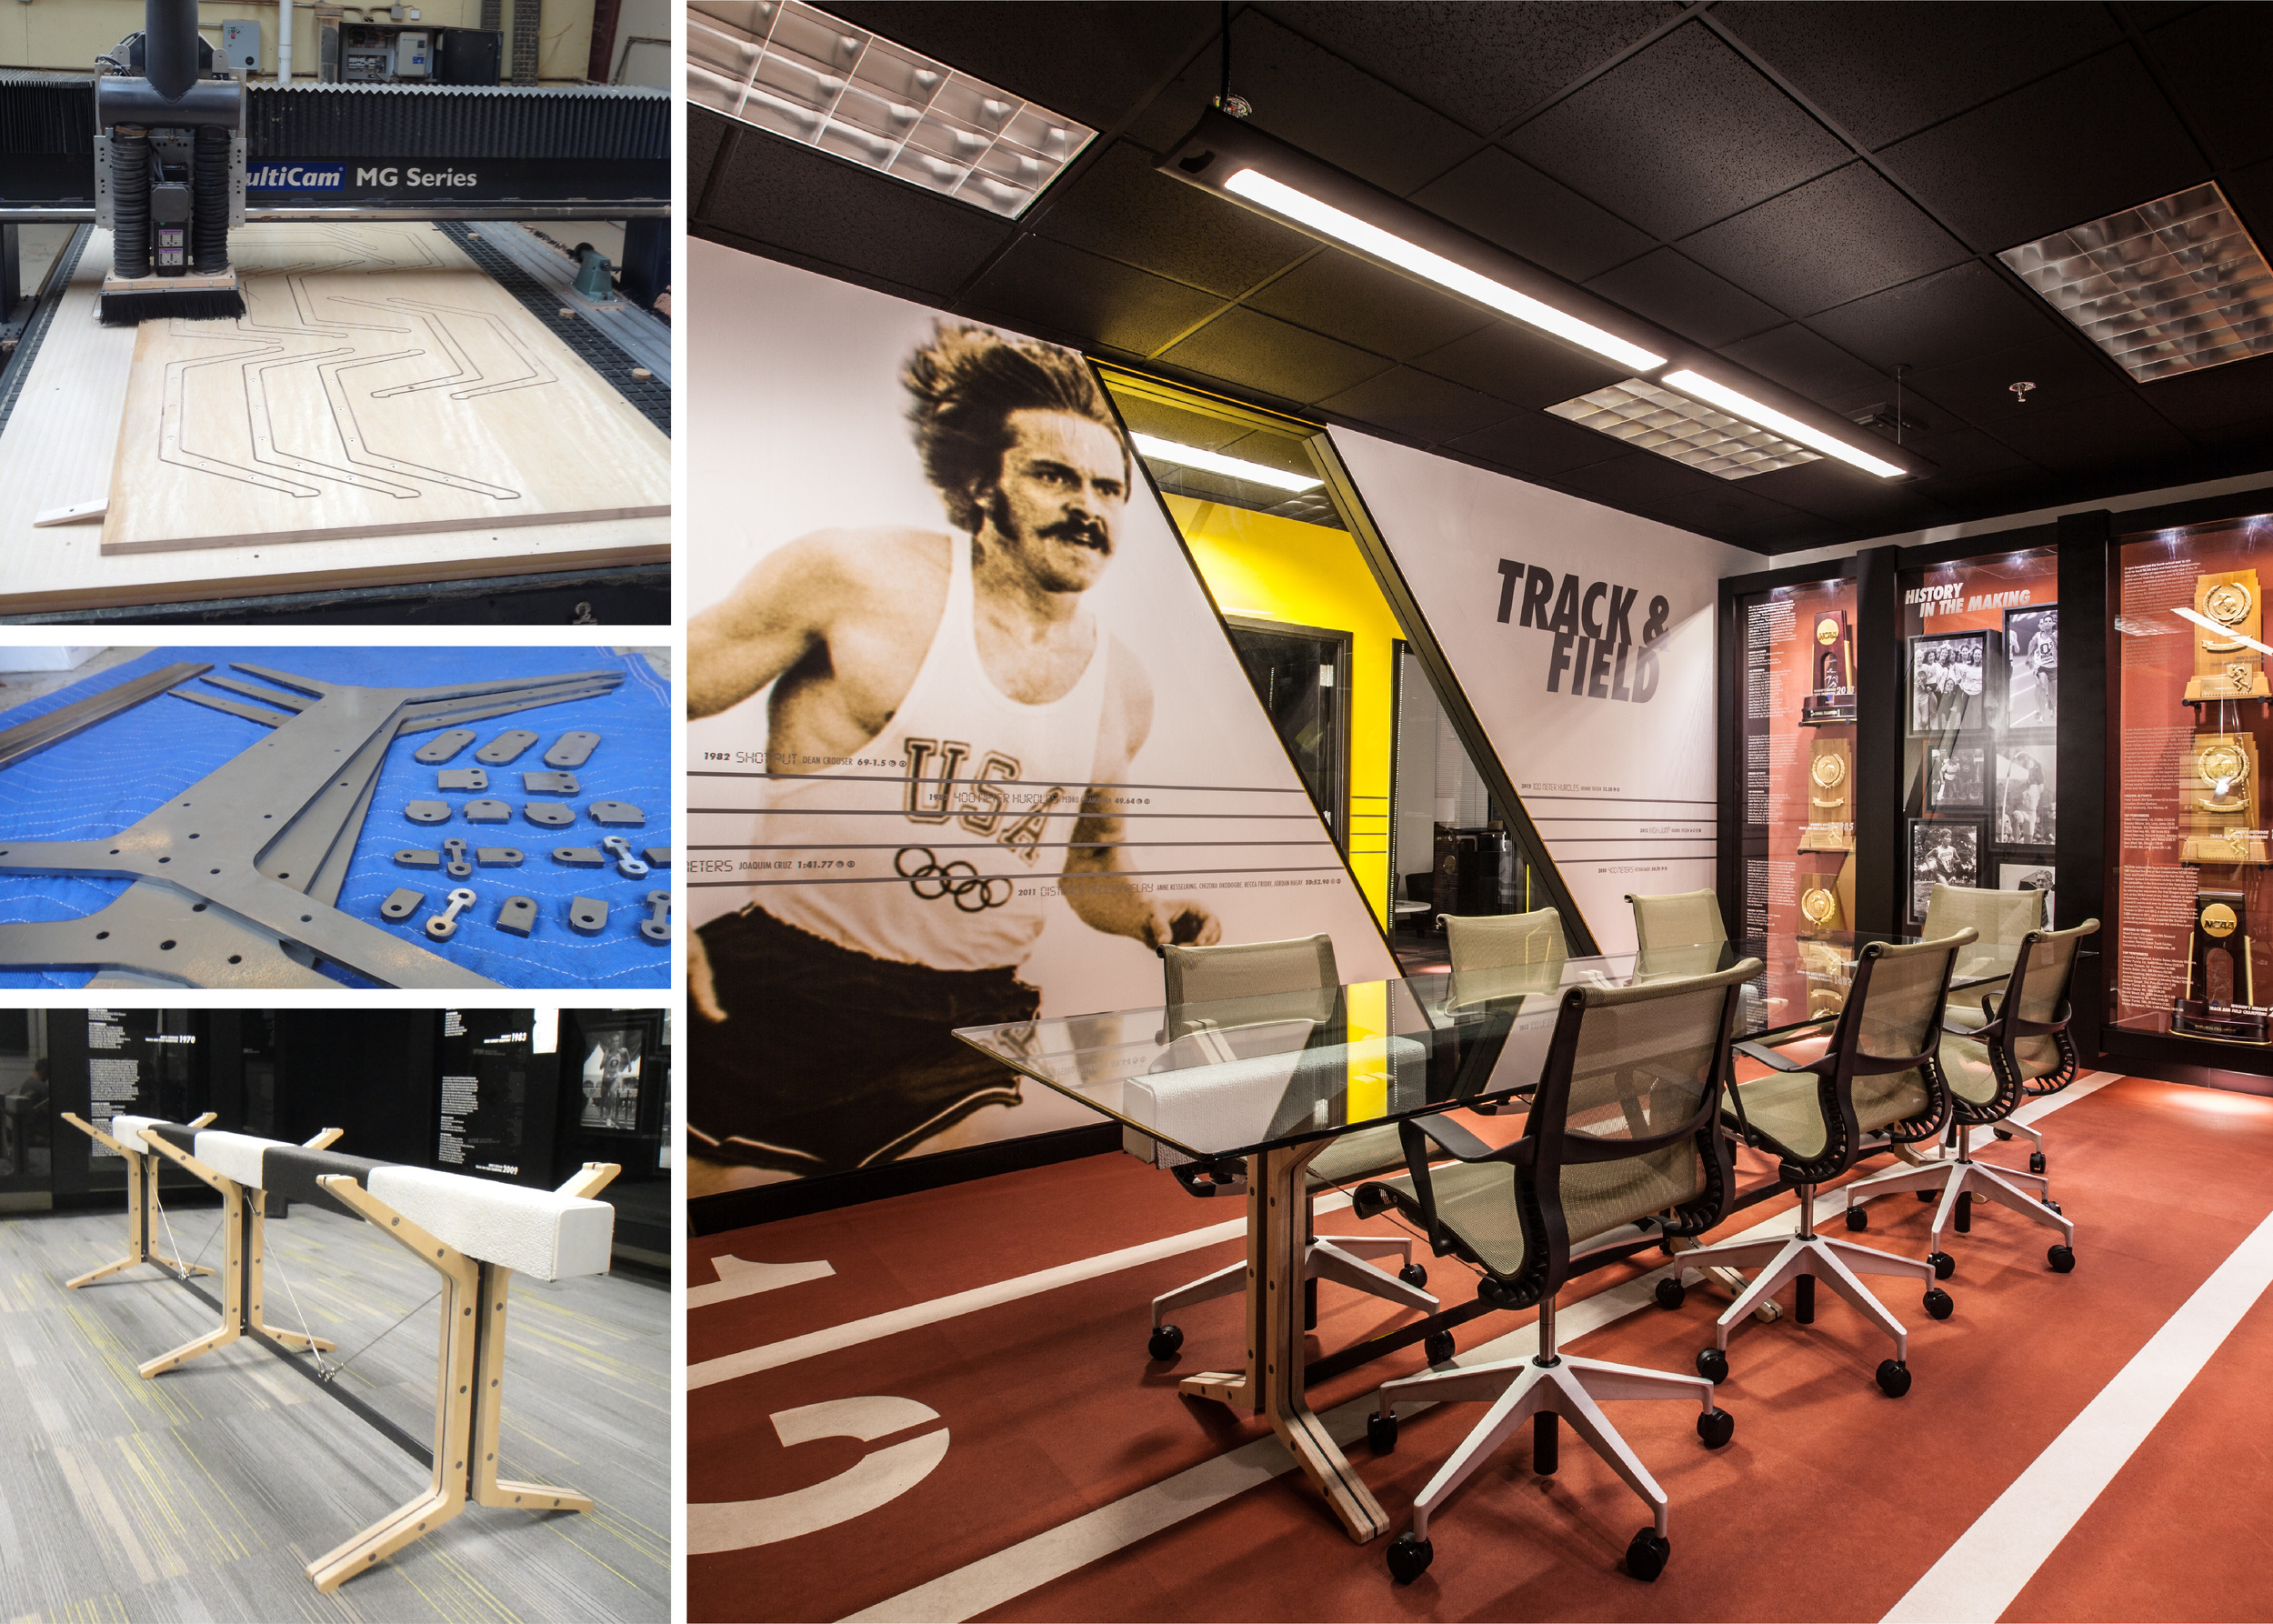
498,857
549,815
267,696
578,857
444,746
658,857
427,811
551,784
456,865
461,777
28,738
488,811
409,858
626,865
402,905
656,925
250,713
517,915
444,924
617,812
166,938
507,745
571,749
588,914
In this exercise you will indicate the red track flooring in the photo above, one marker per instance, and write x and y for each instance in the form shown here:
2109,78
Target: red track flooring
1831,1503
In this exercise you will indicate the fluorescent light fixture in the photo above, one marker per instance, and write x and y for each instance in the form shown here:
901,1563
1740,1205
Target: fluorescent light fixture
1752,411
2170,287
2206,624
1655,418
794,71
1366,238
1155,449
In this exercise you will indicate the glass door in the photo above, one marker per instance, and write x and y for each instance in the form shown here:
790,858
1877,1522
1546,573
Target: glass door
1301,674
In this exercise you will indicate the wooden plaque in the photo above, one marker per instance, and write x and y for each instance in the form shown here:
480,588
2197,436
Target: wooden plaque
1830,825
2225,664
2219,793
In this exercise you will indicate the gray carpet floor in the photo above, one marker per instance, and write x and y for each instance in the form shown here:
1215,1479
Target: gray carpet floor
201,1495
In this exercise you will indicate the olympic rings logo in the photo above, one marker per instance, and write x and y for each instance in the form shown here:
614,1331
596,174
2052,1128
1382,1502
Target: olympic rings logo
931,879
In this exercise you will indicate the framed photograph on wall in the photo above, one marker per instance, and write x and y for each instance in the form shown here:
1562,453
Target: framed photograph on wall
2028,876
1946,853
1949,677
1957,777
614,1056
2027,795
2032,667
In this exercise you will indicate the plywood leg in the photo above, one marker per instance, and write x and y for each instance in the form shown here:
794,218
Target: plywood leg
489,1386
238,1240
1244,1388
257,1287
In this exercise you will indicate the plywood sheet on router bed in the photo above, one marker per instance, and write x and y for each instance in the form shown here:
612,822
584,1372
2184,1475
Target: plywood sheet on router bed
380,387
58,450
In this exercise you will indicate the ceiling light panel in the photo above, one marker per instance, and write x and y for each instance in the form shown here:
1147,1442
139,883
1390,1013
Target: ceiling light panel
2170,287
1153,448
1691,432
799,73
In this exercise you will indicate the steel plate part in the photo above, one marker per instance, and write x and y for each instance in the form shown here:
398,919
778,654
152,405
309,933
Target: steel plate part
409,858
498,857
517,915
461,777
588,914
488,811
549,815
571,749
620,813
551,784
626,865
402,904
578,857
505,747
444,924
427,811
444,744
453,859
656,925
658,857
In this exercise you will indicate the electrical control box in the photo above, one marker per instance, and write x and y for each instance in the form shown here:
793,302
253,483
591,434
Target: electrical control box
240,46
412,56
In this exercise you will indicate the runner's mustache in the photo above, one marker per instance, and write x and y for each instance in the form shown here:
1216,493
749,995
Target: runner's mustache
1086,533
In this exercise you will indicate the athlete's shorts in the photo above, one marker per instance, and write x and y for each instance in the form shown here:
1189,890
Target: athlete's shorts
831,1059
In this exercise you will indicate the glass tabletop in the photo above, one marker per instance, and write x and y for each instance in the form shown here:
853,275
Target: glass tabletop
1230,1077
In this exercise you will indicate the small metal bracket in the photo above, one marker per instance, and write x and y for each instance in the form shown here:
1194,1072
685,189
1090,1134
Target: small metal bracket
621,813
588,914
427,811
516,916
578,857
444,924
498,857
626,865
402,905
461,777
551,784
444,746
488,811
549,815
410,858
571,749
505,747
658,857
454,864
656,925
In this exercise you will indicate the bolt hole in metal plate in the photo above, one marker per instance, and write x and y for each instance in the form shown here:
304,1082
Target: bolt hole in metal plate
428,812
587,915
402,905
505,747
408,858
551,784
462,778
444,744
571,749
577,857
517,915
549,815
498,857
621,814
656,925
488,811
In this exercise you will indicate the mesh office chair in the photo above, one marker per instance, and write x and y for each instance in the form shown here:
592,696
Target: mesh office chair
1880,1077
2015,1048
1674,932
1290,981
2003,919
1623,1146
1499,955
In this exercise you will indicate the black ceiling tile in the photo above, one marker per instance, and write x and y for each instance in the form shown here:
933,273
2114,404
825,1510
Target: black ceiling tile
2246,443
1483,65
1522,366
1681,134
1417,405
2250,191
1788,531
2214,60
1121,208
1884,71
1979,390
1963,453
1808,364
1311,98
706,132
1675,291
1659,488
1535,443
1964,311
1356,300
1504,200
781,192
2094,436
1252,351
1121,50
2237,392
1832,490
1832,240
1089,299
2082,143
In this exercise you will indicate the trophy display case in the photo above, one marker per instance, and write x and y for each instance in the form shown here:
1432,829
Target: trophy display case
1796,714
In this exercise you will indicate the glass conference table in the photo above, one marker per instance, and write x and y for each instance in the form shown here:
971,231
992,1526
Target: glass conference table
1271,1080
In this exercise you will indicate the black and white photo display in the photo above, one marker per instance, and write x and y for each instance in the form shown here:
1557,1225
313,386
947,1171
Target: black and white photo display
2028,876
1946,853
1956,778
2027,795
2032,667
612,1063
1948,683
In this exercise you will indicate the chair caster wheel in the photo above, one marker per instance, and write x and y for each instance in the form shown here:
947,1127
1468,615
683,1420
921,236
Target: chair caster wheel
1713,1366
1925,1195
1856,1219
2036,1161
2062,1258
1944,1265
2050,1202
1645,1557
1939,1303
1413,1275
1440,1350
1381,1434
1894,1378
2002,1133
1166,1341
1670,1292
1715,1427
1409,1558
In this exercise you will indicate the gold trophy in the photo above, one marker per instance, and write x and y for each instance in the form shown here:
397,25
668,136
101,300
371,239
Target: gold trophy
1830,825
1831,671
2226,665
2220,789
2219,999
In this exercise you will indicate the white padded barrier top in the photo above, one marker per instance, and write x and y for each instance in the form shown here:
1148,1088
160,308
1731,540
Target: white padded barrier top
127,1131
235,1155
530,1231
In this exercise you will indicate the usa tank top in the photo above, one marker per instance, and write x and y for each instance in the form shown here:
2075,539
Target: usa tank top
941,841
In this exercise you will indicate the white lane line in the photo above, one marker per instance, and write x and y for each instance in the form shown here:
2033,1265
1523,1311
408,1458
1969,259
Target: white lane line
1993,1560
1007,1574
738,1278
837,1337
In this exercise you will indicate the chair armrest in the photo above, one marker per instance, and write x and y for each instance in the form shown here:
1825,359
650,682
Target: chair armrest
1454,1139
1770,1059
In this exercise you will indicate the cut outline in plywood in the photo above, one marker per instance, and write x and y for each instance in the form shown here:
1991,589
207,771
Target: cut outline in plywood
376,385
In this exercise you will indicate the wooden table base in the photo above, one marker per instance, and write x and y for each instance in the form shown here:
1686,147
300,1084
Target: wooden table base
141,1196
